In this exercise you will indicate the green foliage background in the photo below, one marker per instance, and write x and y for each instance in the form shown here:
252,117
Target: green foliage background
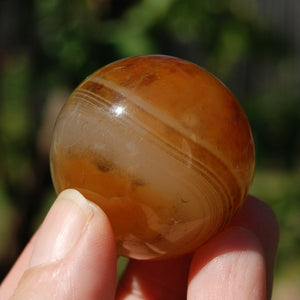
48,47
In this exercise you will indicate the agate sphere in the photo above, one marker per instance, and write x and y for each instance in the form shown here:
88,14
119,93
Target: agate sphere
162,146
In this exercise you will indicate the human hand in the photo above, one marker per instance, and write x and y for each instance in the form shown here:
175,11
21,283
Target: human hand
73,256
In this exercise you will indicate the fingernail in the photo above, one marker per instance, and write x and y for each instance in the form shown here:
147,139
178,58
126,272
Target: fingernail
62,227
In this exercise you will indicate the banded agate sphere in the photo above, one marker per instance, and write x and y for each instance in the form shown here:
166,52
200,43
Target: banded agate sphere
162,146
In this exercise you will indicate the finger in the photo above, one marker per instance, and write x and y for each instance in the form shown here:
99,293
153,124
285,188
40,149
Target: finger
74,255
12,279
258,217
230,266
157,280
148,280
253,239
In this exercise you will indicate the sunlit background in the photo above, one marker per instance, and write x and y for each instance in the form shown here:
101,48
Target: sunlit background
48,47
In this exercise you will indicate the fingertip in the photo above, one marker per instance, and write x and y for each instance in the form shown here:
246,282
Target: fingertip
96,259
230,266
259,218
74,255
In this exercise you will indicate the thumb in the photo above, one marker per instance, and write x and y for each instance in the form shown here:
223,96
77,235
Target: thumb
74,255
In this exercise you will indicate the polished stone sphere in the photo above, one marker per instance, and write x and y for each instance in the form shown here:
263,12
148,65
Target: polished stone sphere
162,146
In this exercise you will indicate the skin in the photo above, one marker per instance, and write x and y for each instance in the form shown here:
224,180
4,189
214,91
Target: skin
73,256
